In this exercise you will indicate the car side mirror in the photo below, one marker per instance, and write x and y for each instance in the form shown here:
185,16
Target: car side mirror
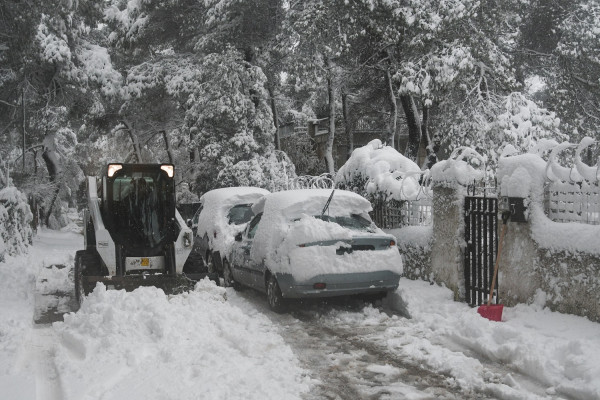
189,223
238,237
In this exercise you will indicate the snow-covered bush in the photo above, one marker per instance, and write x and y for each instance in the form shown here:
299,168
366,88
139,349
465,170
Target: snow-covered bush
378,171
488,125
15,222
272,172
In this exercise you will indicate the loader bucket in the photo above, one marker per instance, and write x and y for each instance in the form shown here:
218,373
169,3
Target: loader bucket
169,284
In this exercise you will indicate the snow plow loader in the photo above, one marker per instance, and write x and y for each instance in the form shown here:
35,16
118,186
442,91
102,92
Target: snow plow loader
133,234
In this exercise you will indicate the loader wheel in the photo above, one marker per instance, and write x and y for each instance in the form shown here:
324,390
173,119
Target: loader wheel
194,263
86,264
78,278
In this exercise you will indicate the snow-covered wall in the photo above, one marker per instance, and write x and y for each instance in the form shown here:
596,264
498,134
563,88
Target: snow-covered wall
554,261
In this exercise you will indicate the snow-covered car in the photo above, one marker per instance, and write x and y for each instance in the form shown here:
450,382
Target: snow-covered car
313,243
223,213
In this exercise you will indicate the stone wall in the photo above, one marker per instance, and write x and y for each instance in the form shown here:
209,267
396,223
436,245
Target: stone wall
565,280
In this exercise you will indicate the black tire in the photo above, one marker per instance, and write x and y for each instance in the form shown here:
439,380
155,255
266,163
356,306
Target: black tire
87,263
228,280
78,278
194,264
274,296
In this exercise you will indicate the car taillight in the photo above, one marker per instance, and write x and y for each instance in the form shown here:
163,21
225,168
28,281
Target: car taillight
320,285
215,234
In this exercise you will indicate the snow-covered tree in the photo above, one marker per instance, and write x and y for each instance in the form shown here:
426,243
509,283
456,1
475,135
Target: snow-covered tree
15,222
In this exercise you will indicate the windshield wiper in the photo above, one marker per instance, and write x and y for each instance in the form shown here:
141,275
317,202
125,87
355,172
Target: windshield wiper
328,202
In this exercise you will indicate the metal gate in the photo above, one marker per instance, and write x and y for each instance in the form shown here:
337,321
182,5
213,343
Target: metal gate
481,222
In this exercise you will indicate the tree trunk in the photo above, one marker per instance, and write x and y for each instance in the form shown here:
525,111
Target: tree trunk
275,116
51,163
414,126
134,141
331,133
168,147
347,126
49,212
393,110
430,146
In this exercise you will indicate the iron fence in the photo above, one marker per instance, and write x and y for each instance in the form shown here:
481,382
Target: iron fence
397,214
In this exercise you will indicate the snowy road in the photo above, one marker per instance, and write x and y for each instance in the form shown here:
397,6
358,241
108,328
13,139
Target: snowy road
352,361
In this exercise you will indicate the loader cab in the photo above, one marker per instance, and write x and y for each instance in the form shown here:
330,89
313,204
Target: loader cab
138,206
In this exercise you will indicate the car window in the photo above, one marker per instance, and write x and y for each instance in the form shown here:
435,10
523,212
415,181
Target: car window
253,226
353,221
240,214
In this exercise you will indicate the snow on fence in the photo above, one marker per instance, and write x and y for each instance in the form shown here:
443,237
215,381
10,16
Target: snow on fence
323,181
572,194
573,202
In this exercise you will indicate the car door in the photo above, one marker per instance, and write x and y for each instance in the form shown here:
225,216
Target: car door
250,267
241,254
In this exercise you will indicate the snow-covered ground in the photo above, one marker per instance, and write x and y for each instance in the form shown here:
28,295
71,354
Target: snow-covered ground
214,343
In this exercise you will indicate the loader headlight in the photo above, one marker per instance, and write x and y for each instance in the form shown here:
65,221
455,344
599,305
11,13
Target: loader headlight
187,239
112,168
169,169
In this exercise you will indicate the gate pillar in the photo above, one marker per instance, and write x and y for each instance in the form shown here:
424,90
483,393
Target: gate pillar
447,244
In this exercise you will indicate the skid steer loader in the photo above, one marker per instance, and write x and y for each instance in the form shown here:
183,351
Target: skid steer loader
133,234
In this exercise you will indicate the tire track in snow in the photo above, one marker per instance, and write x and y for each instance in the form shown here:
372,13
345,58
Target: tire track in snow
47,378
347,366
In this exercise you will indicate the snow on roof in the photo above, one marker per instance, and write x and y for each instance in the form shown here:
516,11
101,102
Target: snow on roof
231,195
213,217
384,168
294,203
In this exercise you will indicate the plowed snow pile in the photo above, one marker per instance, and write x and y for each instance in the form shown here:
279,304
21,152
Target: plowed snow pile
146,345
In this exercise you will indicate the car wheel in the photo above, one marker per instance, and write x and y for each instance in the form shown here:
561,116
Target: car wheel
274,297
228,280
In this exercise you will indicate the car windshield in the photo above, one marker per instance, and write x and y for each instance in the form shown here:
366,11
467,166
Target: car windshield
240,214
353,221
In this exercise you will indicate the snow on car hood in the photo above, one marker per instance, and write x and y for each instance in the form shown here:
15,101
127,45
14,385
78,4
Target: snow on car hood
288,220
213,218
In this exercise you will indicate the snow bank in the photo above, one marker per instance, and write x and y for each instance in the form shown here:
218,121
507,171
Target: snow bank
146,345
375,168
558,351
17,283
213,218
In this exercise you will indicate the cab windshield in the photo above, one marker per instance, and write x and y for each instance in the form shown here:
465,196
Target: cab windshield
141,205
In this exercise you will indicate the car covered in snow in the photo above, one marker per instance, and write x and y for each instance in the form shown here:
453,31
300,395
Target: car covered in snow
223,213
313,243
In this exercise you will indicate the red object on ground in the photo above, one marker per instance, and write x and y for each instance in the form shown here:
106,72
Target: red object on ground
492,312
